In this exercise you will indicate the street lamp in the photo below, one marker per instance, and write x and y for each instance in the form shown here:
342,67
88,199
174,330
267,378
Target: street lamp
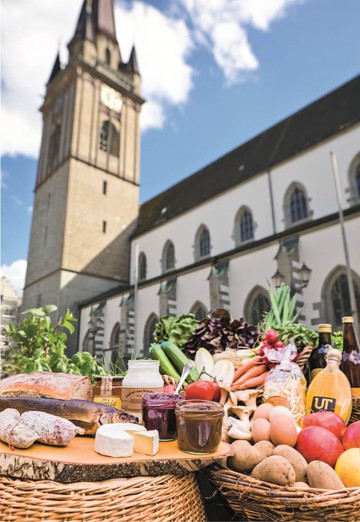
277,279
305,274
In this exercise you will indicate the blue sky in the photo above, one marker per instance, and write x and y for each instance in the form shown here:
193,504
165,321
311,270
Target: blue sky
214,78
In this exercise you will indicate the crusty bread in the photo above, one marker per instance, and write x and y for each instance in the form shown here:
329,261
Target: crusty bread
47,384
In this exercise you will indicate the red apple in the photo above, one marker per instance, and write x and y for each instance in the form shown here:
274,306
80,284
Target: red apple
326,419
351,436
316,443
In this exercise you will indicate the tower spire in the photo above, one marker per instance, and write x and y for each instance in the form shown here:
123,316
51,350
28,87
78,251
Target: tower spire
96,17
133,62
56,68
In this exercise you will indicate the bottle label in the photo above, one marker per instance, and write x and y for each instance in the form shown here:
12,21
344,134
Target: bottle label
132,397
322,404
115,402
355,391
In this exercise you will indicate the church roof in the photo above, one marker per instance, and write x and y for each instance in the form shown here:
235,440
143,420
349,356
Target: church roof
314,123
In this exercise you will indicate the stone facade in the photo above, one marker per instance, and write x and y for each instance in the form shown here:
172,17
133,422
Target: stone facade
87,189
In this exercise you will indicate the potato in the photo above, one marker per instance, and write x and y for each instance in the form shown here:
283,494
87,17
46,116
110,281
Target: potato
296,460
300,485
246,456
321,475
276,470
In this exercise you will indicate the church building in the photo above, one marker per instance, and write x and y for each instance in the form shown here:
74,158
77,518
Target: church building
263,213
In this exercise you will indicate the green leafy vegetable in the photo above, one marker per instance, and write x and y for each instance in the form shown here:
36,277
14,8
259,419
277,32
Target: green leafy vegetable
37,345
177,330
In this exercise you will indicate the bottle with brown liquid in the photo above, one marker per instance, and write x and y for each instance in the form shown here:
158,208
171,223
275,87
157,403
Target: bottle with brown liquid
317,360
350,363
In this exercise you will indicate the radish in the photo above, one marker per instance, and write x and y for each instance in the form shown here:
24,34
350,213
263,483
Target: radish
271,336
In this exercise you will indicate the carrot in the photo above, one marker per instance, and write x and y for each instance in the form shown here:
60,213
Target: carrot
251,372
255,381
248,363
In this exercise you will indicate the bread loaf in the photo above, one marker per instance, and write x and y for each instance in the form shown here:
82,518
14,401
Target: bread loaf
47,384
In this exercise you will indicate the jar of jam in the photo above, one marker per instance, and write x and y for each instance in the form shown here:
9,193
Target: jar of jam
199,425
158,410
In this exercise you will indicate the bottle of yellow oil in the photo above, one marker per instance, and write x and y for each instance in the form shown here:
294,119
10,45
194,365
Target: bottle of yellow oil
330,389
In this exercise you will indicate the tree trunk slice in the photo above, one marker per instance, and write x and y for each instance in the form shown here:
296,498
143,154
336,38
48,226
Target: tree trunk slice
79,462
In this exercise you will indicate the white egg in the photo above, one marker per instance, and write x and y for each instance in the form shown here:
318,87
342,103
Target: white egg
279,410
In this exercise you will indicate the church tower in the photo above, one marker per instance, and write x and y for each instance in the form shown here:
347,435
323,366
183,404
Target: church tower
87,187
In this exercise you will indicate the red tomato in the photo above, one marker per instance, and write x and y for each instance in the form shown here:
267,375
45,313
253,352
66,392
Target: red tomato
203,390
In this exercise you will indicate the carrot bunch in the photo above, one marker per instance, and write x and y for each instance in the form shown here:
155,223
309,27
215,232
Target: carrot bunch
251,374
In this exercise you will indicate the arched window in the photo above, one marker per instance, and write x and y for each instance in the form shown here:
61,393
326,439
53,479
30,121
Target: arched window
142,267
202,242
109,138
107,56
88,344
149,333
115,345
336,296
354,179
296,204
54,146
256,305
244,226
199,310
168,257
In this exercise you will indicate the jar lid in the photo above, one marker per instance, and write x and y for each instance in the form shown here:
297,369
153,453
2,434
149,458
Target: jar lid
325,328
143,363
161,399
199,407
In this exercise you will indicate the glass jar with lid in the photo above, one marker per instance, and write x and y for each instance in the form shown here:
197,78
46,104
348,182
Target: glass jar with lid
143,377
158,411
198,425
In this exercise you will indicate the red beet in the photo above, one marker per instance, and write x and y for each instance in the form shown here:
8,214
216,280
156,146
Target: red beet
316,443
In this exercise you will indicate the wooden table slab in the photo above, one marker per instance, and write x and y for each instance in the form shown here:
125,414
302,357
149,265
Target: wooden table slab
79,462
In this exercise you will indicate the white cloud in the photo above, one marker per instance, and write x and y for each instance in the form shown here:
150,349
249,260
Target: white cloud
164,42
221,26
163,45
15,273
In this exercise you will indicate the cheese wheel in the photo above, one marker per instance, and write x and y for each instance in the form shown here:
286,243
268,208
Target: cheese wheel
111,440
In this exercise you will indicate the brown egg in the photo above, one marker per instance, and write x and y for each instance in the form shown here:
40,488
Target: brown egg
260,430
283,431
263,411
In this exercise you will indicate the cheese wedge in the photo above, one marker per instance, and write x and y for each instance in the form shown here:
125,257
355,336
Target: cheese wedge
112,441
131,428
146,442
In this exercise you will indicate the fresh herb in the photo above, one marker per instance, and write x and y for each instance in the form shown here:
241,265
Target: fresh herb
218,332
177,330
337,340
37,345
301,335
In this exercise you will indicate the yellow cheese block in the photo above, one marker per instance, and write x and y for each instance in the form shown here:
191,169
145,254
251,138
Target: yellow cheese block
146,442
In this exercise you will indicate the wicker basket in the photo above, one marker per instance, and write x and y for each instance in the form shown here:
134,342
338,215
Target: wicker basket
256,501
166,498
